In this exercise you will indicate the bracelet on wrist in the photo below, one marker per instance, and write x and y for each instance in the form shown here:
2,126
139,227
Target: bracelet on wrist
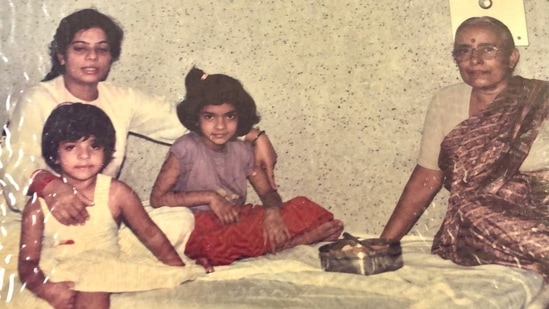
37,186
257,136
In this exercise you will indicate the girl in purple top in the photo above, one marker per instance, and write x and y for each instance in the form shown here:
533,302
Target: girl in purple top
207,170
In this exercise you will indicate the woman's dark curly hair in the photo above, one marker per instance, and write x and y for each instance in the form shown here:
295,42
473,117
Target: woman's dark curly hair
216,89
83,20
70,122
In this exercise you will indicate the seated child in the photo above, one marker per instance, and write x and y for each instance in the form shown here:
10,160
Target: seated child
73,266
207,170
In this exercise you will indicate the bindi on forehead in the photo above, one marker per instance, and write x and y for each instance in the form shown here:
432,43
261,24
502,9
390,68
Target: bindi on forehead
473,40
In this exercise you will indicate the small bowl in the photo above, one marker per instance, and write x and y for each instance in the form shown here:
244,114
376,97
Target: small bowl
363,257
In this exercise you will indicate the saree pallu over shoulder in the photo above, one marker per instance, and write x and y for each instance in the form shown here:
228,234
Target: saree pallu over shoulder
497,214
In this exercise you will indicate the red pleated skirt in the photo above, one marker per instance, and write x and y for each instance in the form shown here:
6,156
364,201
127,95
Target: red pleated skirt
223,244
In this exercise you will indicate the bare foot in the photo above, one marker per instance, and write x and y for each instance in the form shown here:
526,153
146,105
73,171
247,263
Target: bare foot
202,261
328,231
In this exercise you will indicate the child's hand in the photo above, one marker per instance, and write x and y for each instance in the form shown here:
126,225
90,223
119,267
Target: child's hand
274,229
226,213
60,295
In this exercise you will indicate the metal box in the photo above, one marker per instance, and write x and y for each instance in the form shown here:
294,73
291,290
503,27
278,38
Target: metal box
363,257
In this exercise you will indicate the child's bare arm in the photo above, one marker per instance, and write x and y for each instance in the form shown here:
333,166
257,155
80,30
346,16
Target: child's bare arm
60,294
274,229
134,215
30,245
260,182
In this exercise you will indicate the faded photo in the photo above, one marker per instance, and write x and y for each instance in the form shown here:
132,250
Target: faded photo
290,154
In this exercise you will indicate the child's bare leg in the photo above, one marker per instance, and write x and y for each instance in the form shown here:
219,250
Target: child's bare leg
92,300
328,231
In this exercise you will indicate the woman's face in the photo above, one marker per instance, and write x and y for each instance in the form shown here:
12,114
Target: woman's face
480,73
87,59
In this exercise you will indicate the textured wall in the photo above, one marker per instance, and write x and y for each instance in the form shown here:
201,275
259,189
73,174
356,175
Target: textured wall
342,86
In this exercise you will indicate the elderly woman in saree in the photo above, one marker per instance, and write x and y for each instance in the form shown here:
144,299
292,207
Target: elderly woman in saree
486,140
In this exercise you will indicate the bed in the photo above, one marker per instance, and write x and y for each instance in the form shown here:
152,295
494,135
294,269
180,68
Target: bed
294,279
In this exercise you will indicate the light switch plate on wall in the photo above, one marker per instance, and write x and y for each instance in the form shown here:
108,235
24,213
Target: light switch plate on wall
510,12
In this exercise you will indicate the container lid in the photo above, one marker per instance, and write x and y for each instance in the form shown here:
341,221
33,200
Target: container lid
349,248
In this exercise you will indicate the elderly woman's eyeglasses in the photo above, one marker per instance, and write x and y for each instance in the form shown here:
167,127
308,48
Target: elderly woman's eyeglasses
484,52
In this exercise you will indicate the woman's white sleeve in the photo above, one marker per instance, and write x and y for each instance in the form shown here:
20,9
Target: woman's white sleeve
21,152
154,117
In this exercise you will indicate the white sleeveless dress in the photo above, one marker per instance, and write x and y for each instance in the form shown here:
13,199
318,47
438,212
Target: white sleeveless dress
90,256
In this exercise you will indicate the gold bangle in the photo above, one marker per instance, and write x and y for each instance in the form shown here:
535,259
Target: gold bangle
257,136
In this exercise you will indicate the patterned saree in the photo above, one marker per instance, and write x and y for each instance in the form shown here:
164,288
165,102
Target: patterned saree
496,214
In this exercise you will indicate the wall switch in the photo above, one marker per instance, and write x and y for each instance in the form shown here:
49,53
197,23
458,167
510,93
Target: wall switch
510,12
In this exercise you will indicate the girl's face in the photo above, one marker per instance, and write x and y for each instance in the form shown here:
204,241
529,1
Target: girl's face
87,59
80,160
478,71
218,124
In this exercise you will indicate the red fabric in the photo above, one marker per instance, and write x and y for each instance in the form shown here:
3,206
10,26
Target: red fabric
39,183
223,244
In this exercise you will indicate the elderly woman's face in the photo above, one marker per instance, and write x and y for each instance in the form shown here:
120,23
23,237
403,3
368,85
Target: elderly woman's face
481,60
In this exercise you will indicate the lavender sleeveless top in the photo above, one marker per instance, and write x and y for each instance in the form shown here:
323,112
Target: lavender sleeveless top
225,172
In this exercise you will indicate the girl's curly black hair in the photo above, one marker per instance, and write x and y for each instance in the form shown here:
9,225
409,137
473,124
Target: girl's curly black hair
216,89
73,121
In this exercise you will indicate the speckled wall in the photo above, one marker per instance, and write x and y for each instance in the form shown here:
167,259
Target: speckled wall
342,86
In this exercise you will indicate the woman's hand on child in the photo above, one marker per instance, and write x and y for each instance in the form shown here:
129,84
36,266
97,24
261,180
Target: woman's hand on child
226,213
60,295
66,204
275,231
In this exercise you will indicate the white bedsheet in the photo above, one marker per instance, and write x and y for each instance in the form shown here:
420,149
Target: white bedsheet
293,279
